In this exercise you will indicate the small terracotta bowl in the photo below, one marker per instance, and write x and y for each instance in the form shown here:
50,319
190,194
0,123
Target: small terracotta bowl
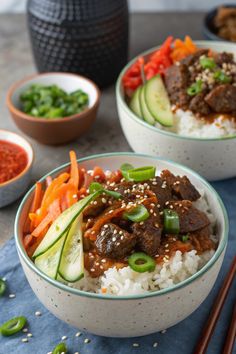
54,131
15,187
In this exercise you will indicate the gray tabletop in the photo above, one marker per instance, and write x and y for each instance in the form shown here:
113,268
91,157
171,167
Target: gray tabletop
146,30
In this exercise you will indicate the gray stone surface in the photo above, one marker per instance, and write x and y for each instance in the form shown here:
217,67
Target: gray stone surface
146,30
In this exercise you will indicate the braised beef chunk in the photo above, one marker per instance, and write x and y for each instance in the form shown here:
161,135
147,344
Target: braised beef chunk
199,106
148,234
201,239
162,191
96,207
181,186
222,99
114,242
221,58
176,81
190,218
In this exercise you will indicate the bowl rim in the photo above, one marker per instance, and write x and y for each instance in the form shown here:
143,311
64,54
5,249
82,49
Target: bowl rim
74,291
12,108
120,100
30,160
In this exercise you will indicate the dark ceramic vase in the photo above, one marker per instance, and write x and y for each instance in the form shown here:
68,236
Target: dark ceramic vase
88,37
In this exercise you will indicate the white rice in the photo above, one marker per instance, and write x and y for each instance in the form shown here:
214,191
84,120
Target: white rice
125,281
185,123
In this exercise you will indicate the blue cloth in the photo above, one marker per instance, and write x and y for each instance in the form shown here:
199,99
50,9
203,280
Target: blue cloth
48,330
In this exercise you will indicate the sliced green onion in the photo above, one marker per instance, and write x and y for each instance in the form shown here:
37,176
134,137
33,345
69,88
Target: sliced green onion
126,167
13,326
95,187
140,262
2,287
207,63
137,214
171,221
220,76
60,348
185,238
195,88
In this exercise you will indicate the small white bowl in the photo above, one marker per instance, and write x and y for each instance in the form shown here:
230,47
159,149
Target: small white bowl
15,187
213,158
126,316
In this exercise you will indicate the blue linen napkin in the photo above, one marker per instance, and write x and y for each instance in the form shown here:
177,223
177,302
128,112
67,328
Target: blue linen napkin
48,330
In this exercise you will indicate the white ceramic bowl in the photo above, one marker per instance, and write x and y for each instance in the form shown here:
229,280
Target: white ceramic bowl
213,158
126,316
15,187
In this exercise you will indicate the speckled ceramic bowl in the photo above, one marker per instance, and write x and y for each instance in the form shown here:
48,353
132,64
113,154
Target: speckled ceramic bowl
213,158
15,187
126,316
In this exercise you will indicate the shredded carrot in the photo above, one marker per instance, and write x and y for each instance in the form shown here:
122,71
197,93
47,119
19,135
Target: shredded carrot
182,49
104,290
99,174
54,212
74,173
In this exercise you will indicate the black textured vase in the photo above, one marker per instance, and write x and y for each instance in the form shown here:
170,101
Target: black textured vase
88,37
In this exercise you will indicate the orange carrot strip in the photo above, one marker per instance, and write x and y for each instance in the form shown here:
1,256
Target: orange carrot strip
54,212
74,172
98,174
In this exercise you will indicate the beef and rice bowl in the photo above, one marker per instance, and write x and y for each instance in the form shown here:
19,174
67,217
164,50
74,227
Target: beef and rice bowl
123,232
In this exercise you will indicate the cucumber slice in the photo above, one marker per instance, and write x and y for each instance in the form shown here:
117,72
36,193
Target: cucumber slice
145,111
135,102
49,261
158,102
62,224
71,266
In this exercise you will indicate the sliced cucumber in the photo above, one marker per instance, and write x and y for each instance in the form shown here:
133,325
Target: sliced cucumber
135,102
144,109
71,266
49,261
158,102
62,224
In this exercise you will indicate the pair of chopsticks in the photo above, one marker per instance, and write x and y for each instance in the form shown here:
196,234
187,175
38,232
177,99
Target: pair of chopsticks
214,315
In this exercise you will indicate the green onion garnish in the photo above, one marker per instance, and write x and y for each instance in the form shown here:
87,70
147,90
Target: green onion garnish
137,214
137,174
2,287
140,262
195,88
171,221
13,326
207,63
60,348
185,238
96,187
222,77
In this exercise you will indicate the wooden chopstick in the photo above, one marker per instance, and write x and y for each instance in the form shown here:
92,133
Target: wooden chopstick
229,343
215,311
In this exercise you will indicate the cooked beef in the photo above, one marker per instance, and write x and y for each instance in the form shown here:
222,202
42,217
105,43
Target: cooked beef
162,191
193,58
96,207
181,186
176,82
149,234
201,240
223,57
191,219
114,242
198,105
222,99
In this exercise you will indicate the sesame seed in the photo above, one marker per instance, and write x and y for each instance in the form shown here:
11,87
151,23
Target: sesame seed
86,340
135,345
29,335
38,313
155,345
151,211
158,205
110,211
120,232
166,245
74,196
154,183
24,340
97,263
115,232
122,237
167,250
105,226
104,200
103,260
166,203
155,214
113,239
141,223
25,330
12,296
102,233
92,270
63,337
161,212
171,207
95,202
156,224
163,331
101,267
118,244
78,334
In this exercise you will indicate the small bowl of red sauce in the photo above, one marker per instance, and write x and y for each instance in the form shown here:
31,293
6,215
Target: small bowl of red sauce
16,159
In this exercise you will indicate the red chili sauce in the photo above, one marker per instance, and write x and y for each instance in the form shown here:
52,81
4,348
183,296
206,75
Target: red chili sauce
13,160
